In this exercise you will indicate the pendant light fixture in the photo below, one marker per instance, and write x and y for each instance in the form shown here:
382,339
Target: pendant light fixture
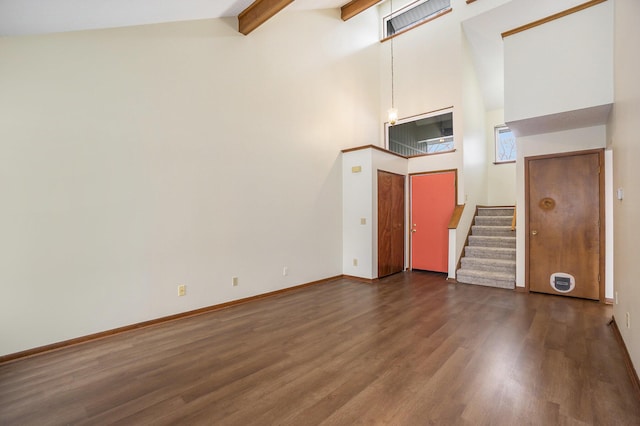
393,112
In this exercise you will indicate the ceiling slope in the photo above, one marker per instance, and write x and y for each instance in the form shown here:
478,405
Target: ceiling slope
354,7
258,13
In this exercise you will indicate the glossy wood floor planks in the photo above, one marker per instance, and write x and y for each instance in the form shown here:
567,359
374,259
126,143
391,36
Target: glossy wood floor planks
411,349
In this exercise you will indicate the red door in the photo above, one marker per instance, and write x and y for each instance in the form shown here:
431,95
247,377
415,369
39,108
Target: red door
433,198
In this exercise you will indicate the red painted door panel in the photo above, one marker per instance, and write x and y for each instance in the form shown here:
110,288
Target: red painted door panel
432,203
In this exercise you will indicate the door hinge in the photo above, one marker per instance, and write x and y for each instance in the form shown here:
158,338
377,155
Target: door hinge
598,277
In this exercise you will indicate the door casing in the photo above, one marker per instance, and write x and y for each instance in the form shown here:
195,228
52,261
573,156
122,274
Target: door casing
411,209
391,223
601,214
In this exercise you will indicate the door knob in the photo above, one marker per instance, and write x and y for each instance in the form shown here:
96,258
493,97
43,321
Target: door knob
413,230
534,232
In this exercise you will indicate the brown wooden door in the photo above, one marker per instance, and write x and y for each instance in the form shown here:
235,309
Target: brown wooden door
433,199
564,216
390,223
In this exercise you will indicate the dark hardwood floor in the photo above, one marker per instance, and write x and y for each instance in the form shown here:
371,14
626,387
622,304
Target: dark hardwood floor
411,349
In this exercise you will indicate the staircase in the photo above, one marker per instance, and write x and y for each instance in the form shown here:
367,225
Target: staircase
490,257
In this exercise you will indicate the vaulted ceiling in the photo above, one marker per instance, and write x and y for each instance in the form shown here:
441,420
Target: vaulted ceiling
22,17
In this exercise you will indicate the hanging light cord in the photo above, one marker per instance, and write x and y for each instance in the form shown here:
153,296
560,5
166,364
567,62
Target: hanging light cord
392,84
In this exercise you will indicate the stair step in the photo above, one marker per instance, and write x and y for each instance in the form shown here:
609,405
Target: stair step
493,220
490,252
489,265
495,211
490,258
487,279
485,241
492,231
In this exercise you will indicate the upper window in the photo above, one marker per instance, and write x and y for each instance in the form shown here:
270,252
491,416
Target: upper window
505,145
414,14
424,134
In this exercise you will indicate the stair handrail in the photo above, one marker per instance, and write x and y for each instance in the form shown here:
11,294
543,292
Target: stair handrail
513,221
455,216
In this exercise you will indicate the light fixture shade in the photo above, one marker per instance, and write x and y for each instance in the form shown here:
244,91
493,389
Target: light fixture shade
393,116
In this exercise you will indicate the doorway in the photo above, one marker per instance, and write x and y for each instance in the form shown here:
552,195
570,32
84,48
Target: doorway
564,229
433,199
390,223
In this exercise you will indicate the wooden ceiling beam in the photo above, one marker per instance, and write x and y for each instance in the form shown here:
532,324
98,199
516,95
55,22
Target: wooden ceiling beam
354,7
258,13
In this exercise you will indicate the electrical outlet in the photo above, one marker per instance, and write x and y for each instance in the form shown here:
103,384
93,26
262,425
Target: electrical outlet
355,262
285,271
616,297
182,290
628,320
234,281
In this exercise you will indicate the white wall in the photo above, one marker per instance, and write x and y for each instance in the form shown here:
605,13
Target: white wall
474,148
558,95
427,74
624,131
501,177
433,69
563,65
357,204
135,159
360,201
549,143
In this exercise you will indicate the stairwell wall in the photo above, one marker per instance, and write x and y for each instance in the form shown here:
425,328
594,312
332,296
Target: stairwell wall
501,177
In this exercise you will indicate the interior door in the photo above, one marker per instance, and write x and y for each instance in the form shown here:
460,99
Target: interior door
433,199
390,223
565,209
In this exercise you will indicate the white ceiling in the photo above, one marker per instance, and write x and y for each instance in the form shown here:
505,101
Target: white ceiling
23,17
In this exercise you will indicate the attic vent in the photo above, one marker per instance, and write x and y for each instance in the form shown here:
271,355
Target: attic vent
414,14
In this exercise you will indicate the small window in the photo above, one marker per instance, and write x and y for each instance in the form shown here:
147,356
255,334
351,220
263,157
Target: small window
413,15
505,145
424,134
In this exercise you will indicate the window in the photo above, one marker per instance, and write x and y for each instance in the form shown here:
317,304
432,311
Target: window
505,145
413,15
424,134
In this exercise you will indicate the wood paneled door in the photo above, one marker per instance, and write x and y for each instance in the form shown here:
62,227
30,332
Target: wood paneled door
390,223
565,213
433,199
